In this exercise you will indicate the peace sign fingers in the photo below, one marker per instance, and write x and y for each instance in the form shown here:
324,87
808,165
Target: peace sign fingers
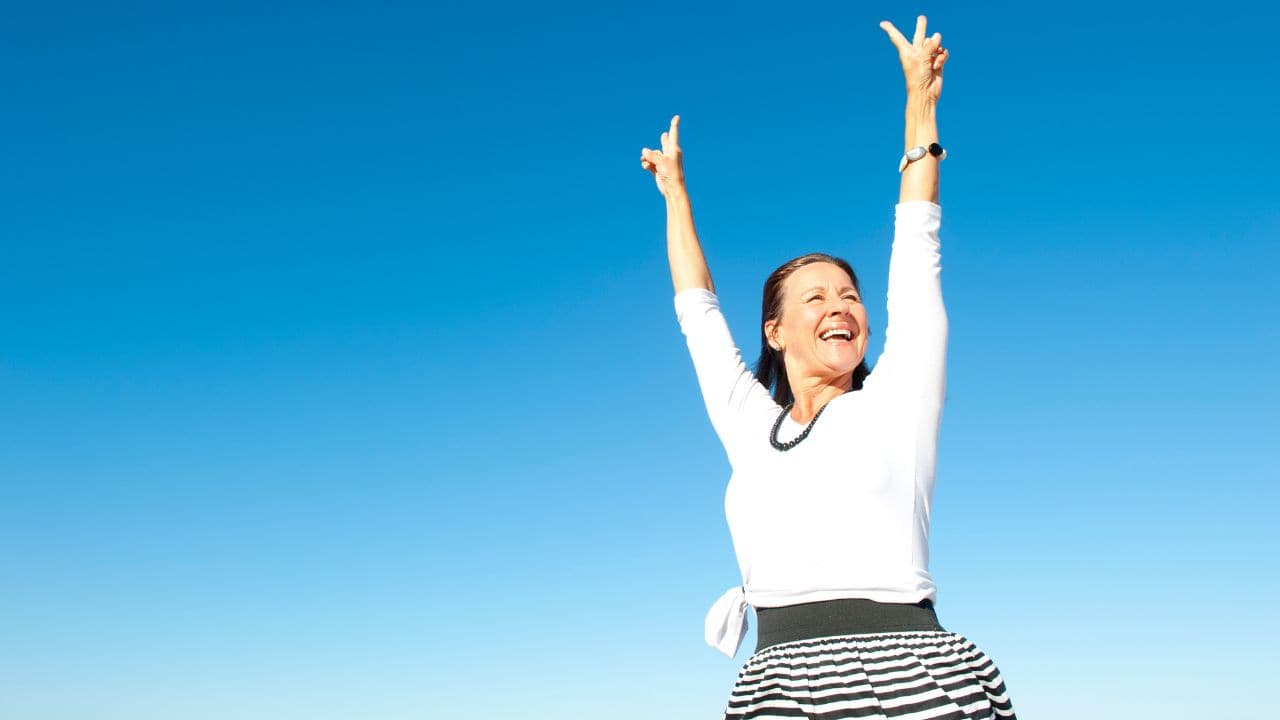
920,41
922,57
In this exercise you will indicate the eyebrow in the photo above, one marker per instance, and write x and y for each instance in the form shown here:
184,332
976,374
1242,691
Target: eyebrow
846,288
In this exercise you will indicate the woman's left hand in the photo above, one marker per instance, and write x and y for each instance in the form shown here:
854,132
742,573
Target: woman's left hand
922,59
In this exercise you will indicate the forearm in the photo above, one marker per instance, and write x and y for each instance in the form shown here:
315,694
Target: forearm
920,179
688,265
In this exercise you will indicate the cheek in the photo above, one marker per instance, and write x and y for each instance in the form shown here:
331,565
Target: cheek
865,336
801,320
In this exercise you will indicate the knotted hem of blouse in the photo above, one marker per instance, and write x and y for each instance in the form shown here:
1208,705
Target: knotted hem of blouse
726,622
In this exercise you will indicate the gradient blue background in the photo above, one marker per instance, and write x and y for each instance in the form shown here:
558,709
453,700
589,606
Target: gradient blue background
339,376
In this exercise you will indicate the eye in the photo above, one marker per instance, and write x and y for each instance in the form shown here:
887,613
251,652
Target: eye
852,297
814,297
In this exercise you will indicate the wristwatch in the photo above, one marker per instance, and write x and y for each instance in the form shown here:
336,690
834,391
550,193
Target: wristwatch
920,151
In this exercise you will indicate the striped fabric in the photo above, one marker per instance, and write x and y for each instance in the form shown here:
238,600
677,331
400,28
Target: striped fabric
911,675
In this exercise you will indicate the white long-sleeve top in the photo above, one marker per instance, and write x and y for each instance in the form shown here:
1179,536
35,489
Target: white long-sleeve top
844,514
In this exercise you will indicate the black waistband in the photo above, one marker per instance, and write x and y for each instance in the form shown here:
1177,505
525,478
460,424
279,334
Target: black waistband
840,617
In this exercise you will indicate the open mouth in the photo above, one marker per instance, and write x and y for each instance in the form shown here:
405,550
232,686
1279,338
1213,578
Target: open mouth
837,335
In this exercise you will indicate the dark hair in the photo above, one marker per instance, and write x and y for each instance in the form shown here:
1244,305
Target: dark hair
770,370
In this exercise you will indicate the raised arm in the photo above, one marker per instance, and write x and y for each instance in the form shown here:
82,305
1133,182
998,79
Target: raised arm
688,266
912,367
736,402
922,59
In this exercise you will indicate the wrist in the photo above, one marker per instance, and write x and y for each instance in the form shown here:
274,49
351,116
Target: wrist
920,152
677,196
921,122
921,102
921,139
922,113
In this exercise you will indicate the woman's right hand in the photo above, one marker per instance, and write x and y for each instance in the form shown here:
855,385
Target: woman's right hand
666,164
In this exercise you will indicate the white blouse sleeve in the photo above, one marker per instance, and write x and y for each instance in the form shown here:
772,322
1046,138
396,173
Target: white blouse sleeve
731,392
911,372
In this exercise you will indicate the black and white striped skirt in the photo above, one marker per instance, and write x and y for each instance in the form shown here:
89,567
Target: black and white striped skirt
920,674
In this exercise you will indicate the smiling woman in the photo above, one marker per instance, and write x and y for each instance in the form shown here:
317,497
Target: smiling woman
813,284
830,519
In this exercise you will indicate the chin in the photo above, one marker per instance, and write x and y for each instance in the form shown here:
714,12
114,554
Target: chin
849,363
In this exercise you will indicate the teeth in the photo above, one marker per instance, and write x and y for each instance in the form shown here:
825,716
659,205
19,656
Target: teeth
847,335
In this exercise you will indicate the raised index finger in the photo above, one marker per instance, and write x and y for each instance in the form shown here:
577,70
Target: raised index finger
896,37
675,131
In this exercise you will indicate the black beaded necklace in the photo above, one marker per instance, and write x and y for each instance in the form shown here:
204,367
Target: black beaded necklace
785,446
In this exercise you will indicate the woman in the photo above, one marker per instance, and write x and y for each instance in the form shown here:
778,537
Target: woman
830,518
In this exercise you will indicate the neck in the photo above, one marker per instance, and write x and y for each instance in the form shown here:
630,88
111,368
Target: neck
812,396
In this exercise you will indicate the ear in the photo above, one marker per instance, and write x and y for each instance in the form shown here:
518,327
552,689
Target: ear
773,334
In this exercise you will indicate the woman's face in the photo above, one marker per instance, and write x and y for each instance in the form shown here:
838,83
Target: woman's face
823,328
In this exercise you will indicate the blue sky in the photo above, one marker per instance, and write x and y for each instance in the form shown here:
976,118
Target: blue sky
340,376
